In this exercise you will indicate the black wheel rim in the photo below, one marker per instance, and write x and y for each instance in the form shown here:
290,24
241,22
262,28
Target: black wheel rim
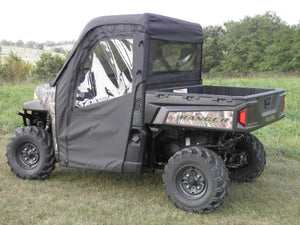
28,156
191,182
239,160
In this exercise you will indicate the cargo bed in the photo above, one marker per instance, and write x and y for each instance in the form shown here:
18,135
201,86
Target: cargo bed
215,107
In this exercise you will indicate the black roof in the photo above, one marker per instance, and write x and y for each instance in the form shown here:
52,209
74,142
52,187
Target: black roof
159,27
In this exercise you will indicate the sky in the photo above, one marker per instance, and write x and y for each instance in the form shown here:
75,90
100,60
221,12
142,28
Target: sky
61,20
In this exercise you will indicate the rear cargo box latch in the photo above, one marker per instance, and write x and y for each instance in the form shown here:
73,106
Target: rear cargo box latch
268,102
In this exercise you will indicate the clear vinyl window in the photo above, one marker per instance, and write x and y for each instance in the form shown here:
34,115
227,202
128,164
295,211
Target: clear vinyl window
172,56
107,73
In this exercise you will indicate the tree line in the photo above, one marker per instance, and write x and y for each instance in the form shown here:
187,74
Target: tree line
14,68
263,43
33,44
36,45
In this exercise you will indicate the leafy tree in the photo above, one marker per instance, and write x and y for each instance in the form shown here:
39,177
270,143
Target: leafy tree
14,68
0,68
213,48
39,46
6,43
20,43
30,44
49,43
260,43
58,50
295,49
48,65
277,55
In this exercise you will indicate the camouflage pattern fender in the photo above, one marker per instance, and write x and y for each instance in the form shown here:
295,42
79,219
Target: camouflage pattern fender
45,94
198,117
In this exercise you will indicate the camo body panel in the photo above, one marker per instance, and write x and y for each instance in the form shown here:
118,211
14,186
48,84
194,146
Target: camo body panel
214,119
46,95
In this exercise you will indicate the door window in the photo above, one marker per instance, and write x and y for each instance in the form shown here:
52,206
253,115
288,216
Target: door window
107,72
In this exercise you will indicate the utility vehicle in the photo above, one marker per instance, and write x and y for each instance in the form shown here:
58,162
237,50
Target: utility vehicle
130,99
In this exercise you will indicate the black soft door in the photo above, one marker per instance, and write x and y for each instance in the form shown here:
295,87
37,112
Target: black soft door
100,121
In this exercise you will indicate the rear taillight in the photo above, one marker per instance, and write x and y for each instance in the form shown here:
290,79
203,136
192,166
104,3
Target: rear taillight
283,105
242,117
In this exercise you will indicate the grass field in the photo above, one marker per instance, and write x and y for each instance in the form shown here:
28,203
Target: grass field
74,196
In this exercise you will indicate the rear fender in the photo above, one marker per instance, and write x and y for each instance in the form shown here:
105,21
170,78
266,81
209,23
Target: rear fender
201,117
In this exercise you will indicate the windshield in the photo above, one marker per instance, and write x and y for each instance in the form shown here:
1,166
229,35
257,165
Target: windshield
171,56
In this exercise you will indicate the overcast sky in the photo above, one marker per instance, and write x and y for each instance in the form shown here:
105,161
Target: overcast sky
59,20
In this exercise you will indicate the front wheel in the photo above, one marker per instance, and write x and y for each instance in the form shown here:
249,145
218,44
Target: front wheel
196,179
30,154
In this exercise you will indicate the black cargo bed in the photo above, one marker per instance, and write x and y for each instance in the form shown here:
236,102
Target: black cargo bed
220,90
264,106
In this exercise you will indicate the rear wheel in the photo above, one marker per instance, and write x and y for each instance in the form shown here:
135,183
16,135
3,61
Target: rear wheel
247,161
196,179
30,154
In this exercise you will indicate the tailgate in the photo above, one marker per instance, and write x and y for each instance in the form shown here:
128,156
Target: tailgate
263,109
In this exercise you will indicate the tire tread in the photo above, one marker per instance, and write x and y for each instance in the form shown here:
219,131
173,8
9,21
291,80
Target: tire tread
217,167
259,154
40,136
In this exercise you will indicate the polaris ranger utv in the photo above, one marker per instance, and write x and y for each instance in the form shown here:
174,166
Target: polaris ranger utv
130,99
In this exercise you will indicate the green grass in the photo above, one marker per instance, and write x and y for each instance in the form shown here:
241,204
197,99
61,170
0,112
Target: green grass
12,97
74,196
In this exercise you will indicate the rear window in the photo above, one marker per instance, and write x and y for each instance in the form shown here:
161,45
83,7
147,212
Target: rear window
172,56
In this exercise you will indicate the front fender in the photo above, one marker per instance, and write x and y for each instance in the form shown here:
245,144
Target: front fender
34,105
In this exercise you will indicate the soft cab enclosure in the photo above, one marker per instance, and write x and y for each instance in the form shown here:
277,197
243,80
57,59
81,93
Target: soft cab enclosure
99,102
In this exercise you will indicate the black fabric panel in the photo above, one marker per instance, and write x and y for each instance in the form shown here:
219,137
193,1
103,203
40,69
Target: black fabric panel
171,29
98,134
179,85
174,77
